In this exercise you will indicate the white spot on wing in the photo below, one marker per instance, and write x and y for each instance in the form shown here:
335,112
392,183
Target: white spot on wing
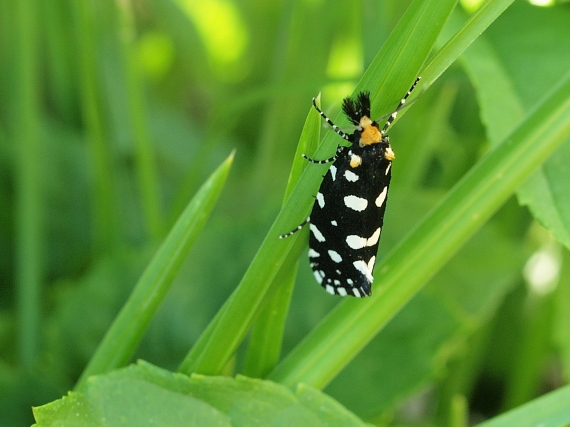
333,222
372,240
332,170
318,276
316,232
329,289
321,199
342,292
335,256
350,176
356,292
364,269
371,264
381,197
355,203
313,253
355,242
388,168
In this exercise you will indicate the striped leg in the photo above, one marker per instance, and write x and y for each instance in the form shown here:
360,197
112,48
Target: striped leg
329,160
284,236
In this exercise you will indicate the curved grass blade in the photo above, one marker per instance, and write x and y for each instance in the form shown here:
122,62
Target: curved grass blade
462,39
127,330
264,348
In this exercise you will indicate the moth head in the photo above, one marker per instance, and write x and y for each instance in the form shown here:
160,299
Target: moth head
370,133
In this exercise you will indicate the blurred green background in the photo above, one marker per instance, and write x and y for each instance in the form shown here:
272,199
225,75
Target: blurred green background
112,113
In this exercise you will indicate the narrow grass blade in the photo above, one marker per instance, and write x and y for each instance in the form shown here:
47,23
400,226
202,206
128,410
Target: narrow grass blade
127,330
105,222
137,112
266,339
29,210
462,39
264,348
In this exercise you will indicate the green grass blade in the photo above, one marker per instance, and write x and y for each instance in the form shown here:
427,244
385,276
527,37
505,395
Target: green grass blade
403,54
264,348
501,109
462,39
105,222
138,116
353,323
550,410
308,142
28,186
394,67
124,335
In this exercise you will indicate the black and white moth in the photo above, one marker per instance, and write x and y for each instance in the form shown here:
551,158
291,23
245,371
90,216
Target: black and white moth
348,214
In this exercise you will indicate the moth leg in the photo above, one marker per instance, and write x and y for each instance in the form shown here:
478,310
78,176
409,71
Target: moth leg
339,150
300,226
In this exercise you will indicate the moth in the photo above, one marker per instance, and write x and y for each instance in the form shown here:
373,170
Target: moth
348,214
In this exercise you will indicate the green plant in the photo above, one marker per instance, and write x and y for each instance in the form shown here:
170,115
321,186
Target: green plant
445,293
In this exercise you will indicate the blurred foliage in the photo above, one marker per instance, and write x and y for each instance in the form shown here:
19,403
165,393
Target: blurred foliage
113,113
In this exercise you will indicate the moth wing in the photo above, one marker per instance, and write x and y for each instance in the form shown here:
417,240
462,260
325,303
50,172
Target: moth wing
346,222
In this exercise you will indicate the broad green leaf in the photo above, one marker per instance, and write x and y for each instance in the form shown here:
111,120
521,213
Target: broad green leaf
506,88
550,410
144,394
561,321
